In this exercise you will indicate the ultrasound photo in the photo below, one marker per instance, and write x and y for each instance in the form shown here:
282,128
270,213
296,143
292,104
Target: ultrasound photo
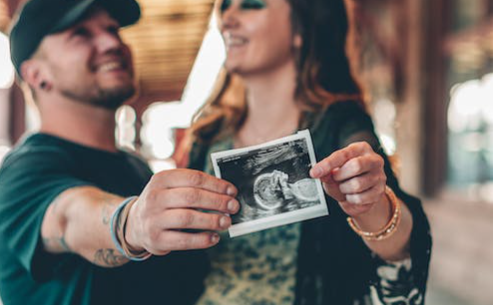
273,181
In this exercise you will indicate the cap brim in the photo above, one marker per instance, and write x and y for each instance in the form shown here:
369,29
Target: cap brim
126,12
72,16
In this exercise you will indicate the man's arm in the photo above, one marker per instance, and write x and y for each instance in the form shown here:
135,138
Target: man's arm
78,220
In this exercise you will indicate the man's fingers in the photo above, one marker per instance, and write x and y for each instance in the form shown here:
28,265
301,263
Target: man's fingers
197,199
190,219
339,158
178,241
191,178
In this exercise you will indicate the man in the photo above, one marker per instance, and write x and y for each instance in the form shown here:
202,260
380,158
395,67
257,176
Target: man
65,236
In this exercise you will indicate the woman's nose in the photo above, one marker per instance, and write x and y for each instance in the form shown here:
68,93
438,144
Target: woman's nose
229,18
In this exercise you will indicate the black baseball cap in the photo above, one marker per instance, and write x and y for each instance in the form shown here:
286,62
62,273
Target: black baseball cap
39,18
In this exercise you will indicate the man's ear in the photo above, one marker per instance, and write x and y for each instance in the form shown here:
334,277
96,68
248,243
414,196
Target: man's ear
32,73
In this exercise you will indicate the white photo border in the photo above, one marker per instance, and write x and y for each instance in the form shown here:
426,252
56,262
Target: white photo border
285,218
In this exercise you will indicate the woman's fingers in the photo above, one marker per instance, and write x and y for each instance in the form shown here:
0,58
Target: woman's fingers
339,158
354,176
358,166
369,196
363,183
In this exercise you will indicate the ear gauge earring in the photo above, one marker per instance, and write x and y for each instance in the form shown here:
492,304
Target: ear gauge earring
298,41
42,85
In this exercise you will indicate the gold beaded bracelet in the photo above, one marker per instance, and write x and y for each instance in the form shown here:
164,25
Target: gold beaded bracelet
390,228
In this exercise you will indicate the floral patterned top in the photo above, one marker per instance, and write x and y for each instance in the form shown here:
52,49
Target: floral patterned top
252,269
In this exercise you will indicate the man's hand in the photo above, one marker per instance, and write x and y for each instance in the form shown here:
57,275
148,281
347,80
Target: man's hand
180,199
78,220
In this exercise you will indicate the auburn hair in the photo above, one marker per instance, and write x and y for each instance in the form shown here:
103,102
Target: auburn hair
323,63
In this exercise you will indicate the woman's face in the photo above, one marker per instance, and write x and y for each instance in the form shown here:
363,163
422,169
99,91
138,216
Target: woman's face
257,34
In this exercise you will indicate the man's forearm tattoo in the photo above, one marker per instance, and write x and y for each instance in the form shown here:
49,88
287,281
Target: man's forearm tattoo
109,258
107,209
56,244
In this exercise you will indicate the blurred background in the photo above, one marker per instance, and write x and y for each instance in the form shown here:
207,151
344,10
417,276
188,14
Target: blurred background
428,68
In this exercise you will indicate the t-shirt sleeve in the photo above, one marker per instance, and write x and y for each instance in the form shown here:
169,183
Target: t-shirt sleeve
29,182
356,125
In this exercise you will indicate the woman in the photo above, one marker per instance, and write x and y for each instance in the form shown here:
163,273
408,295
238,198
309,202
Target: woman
287,69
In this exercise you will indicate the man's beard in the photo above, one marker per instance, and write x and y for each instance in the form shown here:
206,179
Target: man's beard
109,99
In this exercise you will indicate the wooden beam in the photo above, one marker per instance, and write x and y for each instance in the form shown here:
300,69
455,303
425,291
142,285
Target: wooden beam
437,18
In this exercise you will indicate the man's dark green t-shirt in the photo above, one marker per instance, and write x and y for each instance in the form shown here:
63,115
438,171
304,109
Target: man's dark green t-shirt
31,177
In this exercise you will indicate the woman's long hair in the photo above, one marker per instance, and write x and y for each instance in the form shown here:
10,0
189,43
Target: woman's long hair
324,72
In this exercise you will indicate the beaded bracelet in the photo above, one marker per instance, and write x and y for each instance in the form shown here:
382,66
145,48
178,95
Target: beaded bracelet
390,228
117,230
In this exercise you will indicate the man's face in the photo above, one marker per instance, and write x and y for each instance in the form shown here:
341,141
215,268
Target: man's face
89,63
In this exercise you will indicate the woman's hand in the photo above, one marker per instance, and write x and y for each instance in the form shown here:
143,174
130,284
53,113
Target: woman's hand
354,176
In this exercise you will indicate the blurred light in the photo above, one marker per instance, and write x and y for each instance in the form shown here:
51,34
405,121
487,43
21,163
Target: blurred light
125,127
467,98
465,106
165,113
388,144
384,114
471,104
385,110
487,112
204,74
6,68
160,119
126,115
4,150
161,165
157,134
